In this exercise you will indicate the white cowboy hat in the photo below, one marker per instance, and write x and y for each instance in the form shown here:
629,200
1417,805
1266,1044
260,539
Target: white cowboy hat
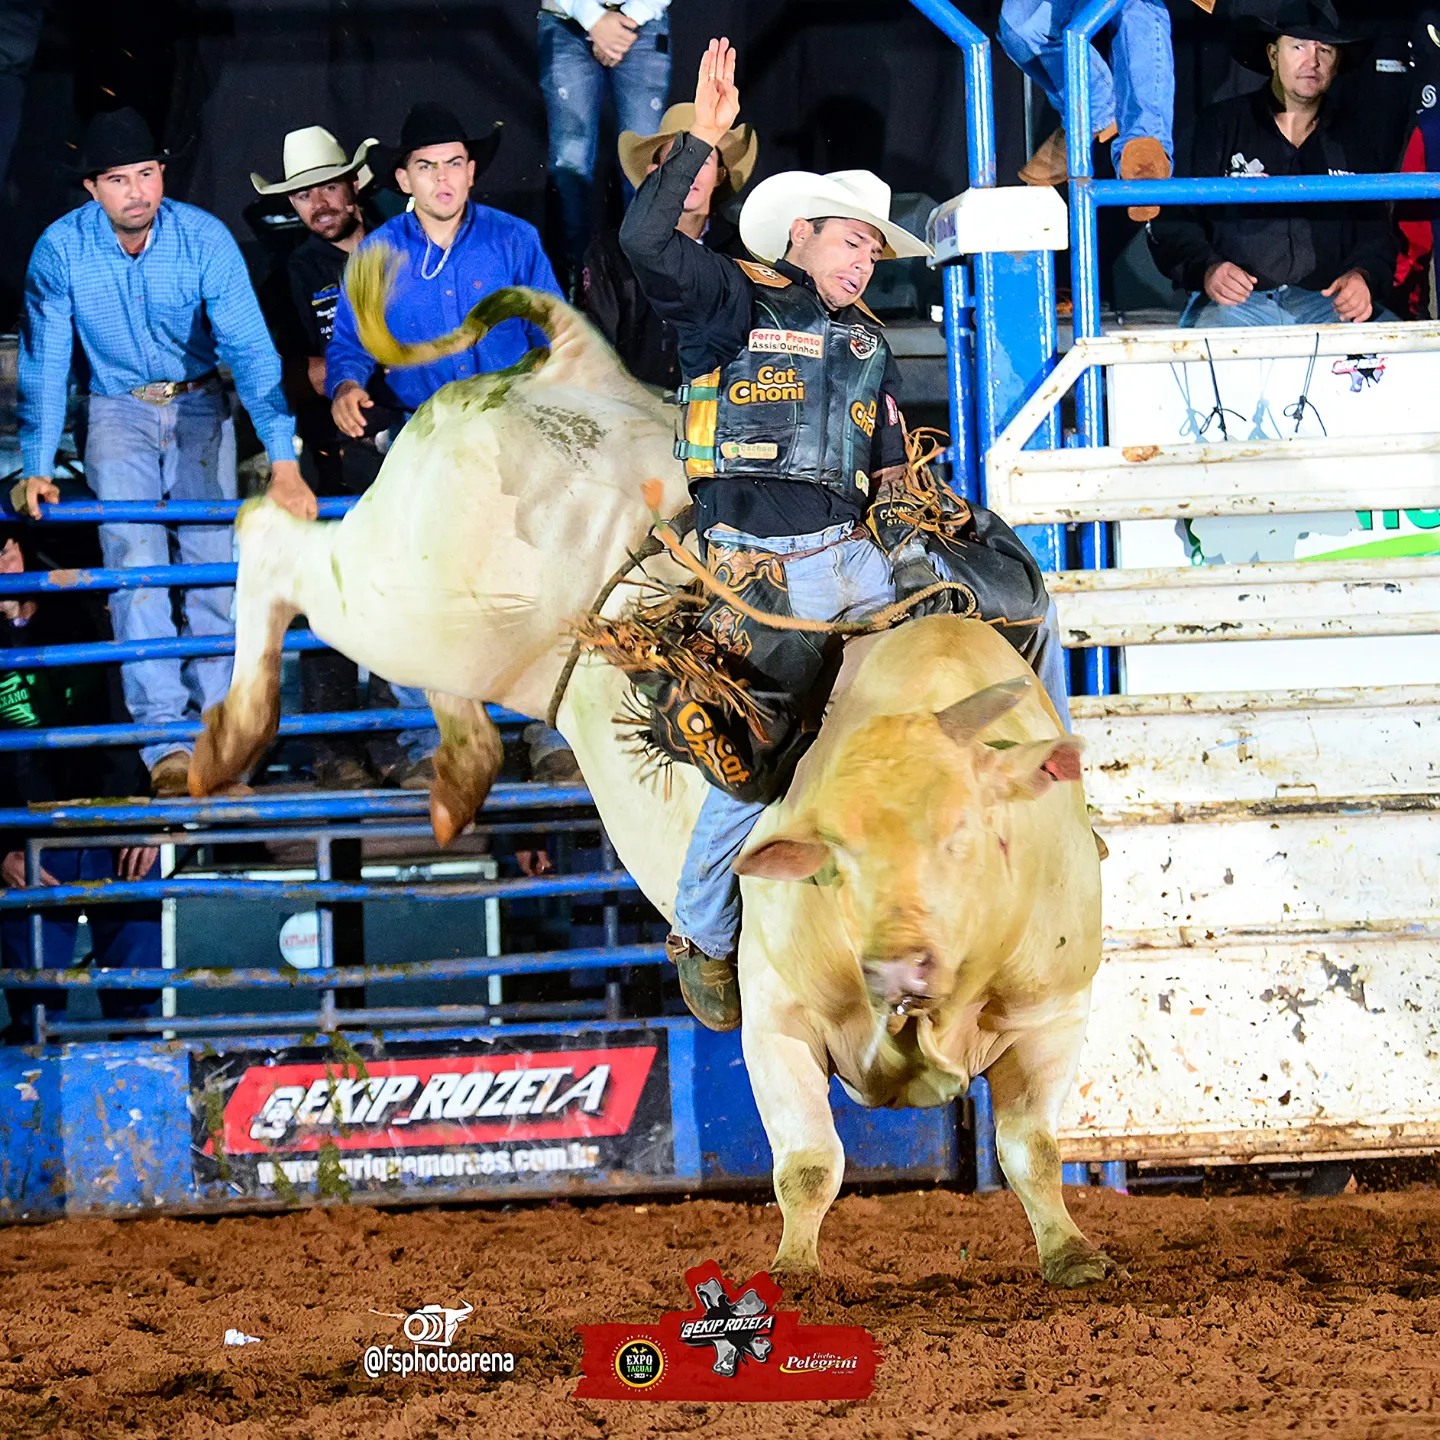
313,157
775,204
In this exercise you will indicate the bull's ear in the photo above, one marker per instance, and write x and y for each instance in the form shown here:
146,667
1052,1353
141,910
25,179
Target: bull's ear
966,718
784,858
1027,771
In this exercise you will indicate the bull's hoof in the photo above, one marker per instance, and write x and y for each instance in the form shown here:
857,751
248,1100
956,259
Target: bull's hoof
1077,1264
795,1279
449,813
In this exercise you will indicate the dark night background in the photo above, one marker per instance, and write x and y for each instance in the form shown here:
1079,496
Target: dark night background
828,83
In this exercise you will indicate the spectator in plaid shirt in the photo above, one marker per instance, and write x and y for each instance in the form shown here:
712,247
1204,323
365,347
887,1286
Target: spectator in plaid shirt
158,294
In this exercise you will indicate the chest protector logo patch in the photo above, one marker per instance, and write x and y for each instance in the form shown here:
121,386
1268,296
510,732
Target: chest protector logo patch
793,342
862,343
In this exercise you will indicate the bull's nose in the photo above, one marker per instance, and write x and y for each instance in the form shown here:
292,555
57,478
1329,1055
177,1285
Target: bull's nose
901,977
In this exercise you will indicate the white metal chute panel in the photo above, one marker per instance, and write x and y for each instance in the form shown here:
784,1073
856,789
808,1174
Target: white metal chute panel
1192,749
1297,600
1150,482
1269,867
1325,1046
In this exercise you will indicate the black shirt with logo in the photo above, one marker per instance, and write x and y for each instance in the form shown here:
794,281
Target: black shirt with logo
1309,246
711,303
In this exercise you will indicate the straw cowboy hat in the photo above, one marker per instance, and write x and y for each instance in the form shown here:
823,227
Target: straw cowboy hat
313,157
775,204
739,150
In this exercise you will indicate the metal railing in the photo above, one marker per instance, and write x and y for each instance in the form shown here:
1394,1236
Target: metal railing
323,820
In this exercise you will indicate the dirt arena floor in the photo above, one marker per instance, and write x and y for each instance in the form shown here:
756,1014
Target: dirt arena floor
1250,1315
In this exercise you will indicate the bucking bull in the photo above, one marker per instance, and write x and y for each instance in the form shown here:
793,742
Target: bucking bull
951,926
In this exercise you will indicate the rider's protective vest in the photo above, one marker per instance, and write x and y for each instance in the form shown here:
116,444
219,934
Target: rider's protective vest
799,402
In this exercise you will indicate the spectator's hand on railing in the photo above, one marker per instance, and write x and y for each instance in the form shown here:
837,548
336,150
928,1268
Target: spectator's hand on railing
717,101
1351,294
350,399
12,872
28,493
534,862
290,492
612,37
1228,284
134,861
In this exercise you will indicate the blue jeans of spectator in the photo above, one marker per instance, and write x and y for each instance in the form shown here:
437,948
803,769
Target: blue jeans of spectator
1139,96
1285,305
181,451
575,84
125,936
847,580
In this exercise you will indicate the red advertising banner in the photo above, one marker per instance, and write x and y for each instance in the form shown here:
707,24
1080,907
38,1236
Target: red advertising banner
515,1110
734,1344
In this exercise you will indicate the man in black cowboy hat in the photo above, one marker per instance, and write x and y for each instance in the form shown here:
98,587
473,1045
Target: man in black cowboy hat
159,297
453,253
1301,264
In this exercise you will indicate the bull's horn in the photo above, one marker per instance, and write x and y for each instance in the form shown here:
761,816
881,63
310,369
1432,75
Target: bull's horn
966,718
370,278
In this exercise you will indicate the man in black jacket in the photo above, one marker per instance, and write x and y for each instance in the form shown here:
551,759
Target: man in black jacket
609,292
1293,264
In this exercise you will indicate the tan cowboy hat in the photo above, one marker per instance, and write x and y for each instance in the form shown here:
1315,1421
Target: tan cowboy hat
739,150
776,203
313,157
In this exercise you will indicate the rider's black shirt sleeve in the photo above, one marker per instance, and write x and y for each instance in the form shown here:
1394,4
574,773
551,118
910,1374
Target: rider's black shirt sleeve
703,294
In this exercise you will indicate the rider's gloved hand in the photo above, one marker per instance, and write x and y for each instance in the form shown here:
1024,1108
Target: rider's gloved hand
916,574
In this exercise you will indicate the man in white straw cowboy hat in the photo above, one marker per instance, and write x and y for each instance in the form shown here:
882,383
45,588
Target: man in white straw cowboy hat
323,185
609,293
792,424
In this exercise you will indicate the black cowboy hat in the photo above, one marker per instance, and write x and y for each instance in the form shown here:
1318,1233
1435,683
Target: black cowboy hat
431,124
115,138
1259,22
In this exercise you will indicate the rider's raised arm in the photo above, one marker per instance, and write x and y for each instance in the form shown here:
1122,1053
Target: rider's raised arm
702,293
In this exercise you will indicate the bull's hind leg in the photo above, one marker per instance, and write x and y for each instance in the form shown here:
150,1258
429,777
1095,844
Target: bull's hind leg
466,763
1028,1085
239,729
792,1091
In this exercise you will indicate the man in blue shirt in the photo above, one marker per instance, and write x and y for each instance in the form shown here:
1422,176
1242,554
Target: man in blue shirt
453,254
158,294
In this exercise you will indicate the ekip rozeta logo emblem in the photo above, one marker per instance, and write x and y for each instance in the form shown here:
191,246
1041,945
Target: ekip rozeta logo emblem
734,1344
431,1333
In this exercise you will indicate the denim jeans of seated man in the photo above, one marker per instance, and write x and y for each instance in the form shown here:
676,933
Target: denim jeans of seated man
1135,92
1285,305
184,450
123,937
575,85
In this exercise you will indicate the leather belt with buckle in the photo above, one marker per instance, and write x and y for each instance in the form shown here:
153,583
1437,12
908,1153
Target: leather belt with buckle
162,392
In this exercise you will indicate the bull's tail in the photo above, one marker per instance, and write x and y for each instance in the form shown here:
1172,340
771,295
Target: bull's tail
370,281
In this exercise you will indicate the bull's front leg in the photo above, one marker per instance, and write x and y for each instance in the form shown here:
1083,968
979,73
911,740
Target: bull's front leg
785,1061
466,763
1028,1085
239,729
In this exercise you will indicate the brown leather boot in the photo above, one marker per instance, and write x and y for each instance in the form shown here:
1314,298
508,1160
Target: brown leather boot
711,987
1049,165
1144,158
